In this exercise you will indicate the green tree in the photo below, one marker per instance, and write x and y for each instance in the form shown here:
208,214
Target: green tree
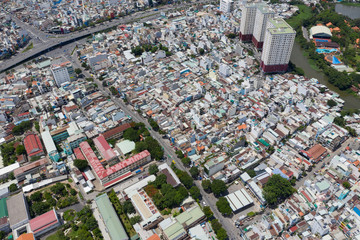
206,185
153,169
276,190
331,103
58,188
40,208
218,187
293,181
2,235
91,223
216,225
340,121
346,185
195,192
251,172
160,180
223,206
194,171
231,35
185,179
13,187
11,176
208,213
20,150
201,51
131,134
179,154
81,164
78,71
36,196
153,124
37,126
128,207
221,234
134,220
186,161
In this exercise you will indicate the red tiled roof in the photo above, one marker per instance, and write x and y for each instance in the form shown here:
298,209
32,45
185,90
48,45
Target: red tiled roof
104,148
100,171
43,221
126,175
316,151
23,114
154,237
112,132
293,229
78,154
306,196
26,236
30,166
33,145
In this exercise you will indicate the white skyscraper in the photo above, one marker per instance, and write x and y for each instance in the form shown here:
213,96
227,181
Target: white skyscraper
226,6
247,22
278,44
61,74
263,13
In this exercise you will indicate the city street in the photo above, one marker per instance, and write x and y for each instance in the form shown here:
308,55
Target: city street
51,41
169,152
309,175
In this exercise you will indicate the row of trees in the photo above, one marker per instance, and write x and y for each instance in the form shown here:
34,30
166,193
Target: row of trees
135,133
138,50
218,187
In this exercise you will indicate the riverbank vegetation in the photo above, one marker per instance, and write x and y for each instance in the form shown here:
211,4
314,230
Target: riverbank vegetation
310,16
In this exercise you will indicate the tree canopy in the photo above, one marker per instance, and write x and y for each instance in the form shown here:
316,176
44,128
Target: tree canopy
218,187
20,150
223,206
153,169
206,185
277,189
81,164
195,192
208,213
22,127
194,171
185,179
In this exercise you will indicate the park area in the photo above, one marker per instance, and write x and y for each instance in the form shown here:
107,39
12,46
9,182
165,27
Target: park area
78,225
59,196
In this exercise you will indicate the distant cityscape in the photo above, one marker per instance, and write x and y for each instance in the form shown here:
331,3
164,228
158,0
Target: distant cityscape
182,120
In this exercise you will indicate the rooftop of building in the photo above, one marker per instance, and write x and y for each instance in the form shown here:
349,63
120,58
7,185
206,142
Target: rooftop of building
110,218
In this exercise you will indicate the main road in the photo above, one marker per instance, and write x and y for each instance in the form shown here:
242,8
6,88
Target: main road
55,41
210,200
45,42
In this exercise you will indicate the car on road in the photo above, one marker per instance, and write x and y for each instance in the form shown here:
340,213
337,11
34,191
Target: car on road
204,203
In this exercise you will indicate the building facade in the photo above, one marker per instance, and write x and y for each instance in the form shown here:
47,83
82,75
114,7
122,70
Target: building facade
263,13
278,44
247,22
61,74
50,146
226,6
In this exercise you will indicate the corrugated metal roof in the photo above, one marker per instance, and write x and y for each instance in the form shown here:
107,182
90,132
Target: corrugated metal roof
3,208
110,218
48,142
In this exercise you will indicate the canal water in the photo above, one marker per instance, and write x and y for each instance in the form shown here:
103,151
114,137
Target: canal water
301,61
352,12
